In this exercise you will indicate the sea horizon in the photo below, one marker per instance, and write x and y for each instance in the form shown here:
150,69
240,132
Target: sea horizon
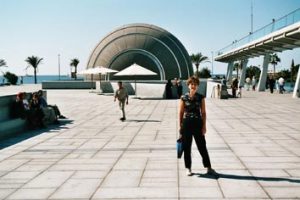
29,79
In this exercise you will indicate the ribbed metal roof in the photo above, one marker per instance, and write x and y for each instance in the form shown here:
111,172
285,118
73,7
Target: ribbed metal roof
147,45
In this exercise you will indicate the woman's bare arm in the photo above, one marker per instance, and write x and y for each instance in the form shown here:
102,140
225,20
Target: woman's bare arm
181,111
203,113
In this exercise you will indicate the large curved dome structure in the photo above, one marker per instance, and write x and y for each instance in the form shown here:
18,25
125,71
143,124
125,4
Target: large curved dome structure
147,45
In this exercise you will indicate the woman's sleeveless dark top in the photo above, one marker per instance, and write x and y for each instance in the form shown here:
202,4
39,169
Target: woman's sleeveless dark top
192,106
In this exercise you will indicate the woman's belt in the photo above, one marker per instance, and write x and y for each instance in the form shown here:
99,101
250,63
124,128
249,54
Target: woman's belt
191,115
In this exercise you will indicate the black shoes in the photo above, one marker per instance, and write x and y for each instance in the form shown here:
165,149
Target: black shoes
122,118
62,117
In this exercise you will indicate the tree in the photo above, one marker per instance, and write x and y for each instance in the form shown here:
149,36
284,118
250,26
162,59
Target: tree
253,71
74,63
294,71
34,62
286,74
11,78
274,59
197,59
204,73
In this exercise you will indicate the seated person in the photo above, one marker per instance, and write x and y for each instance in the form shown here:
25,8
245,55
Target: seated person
44,104
36,115
18,108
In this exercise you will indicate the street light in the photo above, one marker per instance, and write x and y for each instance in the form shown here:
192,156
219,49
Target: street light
212,63
59,67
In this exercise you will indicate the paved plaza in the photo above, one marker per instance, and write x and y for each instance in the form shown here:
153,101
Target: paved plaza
253,142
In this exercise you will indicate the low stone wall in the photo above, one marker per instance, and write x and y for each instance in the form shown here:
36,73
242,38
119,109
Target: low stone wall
68,85
152,89
146,89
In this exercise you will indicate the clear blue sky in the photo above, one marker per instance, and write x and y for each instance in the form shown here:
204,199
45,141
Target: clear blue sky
72,28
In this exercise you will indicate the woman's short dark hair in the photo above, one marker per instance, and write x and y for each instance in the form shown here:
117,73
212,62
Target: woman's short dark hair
193,80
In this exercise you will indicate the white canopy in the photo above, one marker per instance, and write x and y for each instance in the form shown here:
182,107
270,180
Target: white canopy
86,71
135,70
97,70
102,70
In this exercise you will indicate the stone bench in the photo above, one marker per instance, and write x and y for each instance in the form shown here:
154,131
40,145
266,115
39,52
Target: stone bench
10,126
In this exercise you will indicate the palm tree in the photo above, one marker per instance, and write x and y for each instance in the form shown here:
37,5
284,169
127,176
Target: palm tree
75,62
274,59
2,63
253,71
34,62
197,59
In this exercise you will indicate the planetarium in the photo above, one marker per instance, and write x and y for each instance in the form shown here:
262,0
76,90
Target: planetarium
146,45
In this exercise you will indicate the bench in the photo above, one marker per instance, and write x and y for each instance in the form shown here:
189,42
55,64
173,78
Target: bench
10,126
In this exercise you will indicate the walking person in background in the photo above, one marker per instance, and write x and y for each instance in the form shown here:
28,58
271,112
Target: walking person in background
281,85
253,83
234,87
267,82
271,84
179,88
122,95
169,89
175,89
192,120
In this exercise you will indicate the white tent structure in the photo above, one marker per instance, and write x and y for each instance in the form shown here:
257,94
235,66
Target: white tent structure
102,70
135,70
97,70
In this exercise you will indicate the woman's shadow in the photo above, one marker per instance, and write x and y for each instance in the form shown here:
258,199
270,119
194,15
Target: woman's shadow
244,177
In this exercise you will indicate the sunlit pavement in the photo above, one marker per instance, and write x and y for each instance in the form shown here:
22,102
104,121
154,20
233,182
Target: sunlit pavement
253,142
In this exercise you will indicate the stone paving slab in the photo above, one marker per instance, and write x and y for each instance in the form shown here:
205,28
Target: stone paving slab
253,142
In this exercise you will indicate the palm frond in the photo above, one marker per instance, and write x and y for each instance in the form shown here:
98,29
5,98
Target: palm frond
2,63
74,62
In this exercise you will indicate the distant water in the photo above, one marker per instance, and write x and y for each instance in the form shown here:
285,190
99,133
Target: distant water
40,78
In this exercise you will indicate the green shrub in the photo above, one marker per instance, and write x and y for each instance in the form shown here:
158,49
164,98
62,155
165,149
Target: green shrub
11,78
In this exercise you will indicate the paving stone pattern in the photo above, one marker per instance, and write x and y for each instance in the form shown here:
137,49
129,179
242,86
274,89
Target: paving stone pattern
253,142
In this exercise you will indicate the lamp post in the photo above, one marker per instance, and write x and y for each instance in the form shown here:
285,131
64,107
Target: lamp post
212,63
59,67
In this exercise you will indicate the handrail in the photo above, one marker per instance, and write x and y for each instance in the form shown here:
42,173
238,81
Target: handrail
275,25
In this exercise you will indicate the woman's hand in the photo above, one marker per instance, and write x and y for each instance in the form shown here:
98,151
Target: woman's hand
203,130
180,132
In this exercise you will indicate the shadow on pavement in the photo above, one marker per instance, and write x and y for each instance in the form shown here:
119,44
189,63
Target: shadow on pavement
240,177
141,120
32,133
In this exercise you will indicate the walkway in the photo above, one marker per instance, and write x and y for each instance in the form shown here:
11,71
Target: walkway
280,35
254,144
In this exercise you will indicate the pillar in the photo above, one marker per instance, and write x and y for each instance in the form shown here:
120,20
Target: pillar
297,85
243,73
229,72
264,73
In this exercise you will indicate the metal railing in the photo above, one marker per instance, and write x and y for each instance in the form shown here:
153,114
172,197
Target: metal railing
275,25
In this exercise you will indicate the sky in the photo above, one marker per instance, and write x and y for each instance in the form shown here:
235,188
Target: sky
72,28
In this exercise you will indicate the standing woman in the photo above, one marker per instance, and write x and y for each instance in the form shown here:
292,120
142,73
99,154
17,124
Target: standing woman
192,120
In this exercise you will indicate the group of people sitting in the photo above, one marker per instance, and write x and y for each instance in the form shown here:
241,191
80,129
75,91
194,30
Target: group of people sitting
34,108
